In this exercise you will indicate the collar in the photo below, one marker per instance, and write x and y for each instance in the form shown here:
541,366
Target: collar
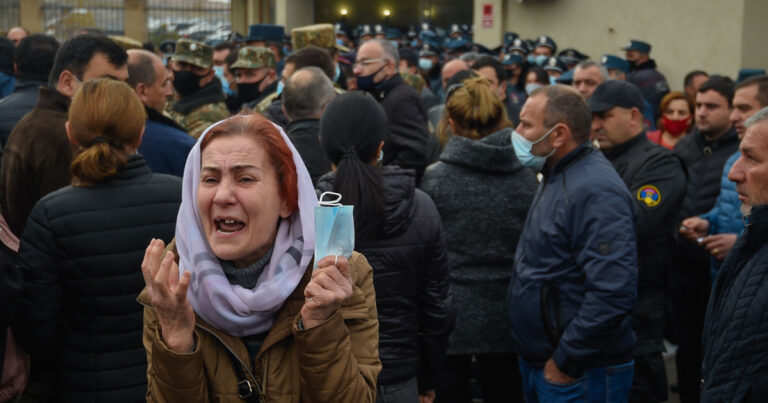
622,148
387,86
578,153
650,64
49,98
211,93
28,85
155,116
729,137
301,124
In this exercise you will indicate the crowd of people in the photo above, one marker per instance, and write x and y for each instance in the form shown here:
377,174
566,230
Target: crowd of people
530,225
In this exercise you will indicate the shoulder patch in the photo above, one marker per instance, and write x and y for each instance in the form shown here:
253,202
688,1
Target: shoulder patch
649,195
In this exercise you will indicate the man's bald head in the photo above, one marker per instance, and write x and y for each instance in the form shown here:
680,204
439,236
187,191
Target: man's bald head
307,93
149,78
453,67
16,34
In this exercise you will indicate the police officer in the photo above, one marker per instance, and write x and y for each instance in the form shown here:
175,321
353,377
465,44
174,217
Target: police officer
656,179
200,97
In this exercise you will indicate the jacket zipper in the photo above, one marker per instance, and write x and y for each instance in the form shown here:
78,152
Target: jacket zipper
248,370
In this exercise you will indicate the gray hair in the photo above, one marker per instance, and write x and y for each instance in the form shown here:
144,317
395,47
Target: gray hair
390,53
470,57
307,93
759,117
585,64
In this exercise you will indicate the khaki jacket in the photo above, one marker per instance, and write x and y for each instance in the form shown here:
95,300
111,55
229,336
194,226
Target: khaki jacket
337,361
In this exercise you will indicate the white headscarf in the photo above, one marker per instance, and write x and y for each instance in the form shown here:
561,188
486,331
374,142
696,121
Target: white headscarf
232,308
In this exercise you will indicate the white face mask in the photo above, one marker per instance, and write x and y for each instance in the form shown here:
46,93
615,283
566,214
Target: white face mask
523,148
530,87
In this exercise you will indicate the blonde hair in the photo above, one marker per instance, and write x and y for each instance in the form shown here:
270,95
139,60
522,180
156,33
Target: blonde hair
475,110
105,117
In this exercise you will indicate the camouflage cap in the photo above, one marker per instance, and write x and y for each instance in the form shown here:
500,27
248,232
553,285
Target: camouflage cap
251,57
321,35
126,42
192,52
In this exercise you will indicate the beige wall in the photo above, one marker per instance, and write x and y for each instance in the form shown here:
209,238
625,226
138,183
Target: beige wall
716,36
294,13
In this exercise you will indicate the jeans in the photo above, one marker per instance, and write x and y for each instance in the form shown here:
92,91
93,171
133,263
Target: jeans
607,384
403,392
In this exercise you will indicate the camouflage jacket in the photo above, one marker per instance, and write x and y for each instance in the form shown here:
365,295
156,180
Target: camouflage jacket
198,111
262,106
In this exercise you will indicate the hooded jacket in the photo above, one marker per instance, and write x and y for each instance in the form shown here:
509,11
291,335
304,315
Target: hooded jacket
410,269
483,194
336,361
575,281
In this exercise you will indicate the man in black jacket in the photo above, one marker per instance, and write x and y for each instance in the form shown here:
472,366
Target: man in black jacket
165,145
33,60
305,97
376,71
704,152
642,72
736,327
656,179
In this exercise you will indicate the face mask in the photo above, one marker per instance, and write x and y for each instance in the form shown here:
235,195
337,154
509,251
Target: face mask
538,59
674,127
280,86
286,51
414,43
248,92
395,44
523,148
366,83
529,88
339,42
425,64
186,83
219,70
334,228
338,74
552,80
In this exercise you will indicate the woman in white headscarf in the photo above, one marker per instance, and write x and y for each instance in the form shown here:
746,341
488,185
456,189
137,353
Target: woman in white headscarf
248,319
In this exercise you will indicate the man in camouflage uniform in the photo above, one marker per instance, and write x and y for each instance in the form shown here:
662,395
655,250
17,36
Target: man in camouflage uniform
256,74
199,96
320,35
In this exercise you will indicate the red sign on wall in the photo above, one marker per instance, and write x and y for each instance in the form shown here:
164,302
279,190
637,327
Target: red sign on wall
487,15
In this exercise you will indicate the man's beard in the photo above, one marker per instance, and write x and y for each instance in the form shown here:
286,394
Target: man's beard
746,209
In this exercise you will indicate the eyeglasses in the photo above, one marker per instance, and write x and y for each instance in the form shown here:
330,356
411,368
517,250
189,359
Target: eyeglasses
367,62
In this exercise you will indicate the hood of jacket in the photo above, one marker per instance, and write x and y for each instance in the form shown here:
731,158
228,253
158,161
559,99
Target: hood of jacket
399,188
493,153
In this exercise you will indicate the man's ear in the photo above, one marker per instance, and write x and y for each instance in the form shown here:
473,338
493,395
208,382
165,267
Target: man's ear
561,135
67,84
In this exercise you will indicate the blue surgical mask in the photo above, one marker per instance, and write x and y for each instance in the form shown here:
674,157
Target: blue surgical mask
280,86
531,59
219,70
338,74
552,80
334,228
523,148
414,43
396,44
425,64
530,87
340,42
538,59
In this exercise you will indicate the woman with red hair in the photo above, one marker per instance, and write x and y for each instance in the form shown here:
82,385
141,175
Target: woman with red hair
676,120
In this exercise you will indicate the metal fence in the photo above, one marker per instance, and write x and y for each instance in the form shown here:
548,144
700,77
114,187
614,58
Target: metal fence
200,20
65,17
9,15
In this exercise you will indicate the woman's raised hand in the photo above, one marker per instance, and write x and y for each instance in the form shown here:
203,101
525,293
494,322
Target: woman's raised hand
168,294
331,284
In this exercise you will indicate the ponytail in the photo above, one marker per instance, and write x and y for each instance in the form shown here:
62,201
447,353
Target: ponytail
359,183
96,163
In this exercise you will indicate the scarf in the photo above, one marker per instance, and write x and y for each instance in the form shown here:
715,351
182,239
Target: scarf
232,308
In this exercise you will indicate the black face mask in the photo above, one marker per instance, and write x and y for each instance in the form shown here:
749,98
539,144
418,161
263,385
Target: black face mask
247,92
186,83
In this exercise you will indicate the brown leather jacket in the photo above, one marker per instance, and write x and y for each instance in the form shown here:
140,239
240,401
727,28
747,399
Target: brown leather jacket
337,361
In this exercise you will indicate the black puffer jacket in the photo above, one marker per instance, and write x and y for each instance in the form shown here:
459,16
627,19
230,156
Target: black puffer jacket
735,342
410,274
704,160
483,194
80,257
15,106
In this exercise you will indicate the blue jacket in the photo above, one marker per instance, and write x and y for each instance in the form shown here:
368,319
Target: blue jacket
165,145
575,280
725,217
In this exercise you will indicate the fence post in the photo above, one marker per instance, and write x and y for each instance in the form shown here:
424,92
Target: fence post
31,15
136,19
